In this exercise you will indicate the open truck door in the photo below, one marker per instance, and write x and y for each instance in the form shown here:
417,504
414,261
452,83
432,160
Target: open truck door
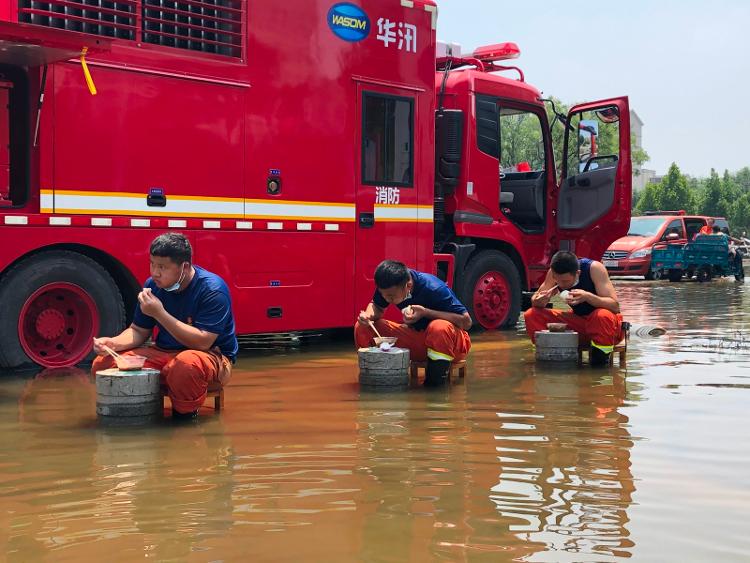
594,196
33,45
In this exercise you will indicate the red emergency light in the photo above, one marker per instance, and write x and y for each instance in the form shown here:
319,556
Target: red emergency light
497,52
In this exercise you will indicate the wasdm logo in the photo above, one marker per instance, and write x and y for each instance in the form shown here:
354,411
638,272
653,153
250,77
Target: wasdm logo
348,22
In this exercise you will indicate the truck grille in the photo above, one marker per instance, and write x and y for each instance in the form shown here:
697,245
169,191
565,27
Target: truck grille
615,255
209,26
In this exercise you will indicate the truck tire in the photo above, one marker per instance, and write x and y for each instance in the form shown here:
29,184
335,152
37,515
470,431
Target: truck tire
51,306
675,274
491,290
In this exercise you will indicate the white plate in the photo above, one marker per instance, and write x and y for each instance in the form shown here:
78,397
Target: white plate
610,263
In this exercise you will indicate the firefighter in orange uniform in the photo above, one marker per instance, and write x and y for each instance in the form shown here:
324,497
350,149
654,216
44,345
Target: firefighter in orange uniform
596,312
196,342
435,321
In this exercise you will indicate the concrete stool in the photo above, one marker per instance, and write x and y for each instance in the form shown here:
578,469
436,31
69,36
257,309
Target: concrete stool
620,349
128,394
458,367
559,347
215,391
379,369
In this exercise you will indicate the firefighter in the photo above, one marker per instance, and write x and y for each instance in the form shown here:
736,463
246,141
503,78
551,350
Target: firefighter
191,307
586,287
434,320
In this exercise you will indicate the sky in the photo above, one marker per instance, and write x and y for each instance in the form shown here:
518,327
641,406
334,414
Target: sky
685,65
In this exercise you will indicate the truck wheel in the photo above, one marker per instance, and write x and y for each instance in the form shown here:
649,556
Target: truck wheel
675,275
491,290
51,305
649,275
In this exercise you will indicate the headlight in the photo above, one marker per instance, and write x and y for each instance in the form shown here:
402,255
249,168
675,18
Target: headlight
641,253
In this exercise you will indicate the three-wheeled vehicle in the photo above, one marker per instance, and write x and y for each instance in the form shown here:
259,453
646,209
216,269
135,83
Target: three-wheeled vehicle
707,256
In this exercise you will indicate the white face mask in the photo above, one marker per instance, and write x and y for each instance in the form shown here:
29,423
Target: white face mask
175,286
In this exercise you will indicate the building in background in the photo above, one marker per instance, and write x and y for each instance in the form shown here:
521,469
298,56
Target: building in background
641,176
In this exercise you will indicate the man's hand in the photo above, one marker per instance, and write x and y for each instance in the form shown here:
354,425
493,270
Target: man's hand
541,298
99,344
150,304
578,296
413,313
364,318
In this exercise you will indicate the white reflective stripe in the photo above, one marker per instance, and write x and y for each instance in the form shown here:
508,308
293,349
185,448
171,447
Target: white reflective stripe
46,202
212,224
140,222
434,12
118,203
407,3
298,210
419,213
435,355
330,227
275,226
177,223
59,221
101,222
16,220
121,205
244,224
304,226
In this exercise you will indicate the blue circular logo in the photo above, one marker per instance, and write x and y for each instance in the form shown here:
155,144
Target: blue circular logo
348,22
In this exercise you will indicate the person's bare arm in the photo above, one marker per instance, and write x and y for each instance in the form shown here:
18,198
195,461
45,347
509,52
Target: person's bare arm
546,291
606,297
191,337
371,313
132,337
415,312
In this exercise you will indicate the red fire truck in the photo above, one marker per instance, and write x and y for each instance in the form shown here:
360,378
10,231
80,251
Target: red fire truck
297,144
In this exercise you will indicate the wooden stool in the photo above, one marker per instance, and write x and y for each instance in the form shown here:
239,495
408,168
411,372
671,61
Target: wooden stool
215,391
620,349
414,367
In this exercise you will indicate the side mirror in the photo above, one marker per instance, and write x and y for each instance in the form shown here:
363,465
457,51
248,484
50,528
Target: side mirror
673,236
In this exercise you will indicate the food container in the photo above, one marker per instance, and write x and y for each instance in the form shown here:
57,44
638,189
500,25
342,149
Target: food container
390,340
130,363
557,327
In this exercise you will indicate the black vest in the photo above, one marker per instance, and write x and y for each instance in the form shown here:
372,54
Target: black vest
587,284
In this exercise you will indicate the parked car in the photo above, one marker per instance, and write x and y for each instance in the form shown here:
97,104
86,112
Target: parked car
631,254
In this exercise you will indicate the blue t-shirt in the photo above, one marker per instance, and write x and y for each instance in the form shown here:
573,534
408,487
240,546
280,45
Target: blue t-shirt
428,291
205,304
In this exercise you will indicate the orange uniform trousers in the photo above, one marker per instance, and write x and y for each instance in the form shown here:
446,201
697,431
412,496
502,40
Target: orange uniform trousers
185,373
601,328
441,340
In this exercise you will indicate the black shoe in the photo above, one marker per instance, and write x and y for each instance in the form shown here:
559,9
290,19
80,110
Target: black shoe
184,415
436,373
598,358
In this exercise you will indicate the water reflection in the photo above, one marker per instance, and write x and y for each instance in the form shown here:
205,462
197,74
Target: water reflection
517,462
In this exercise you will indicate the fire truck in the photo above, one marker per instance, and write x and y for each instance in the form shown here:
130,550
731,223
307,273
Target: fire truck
297,144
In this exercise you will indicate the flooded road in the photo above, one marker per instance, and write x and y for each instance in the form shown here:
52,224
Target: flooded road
517,462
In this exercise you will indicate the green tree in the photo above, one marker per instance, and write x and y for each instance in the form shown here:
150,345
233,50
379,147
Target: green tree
649,199
742,178
674,193
714,200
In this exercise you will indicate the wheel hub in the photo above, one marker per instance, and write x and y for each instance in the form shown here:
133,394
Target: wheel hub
50,324
491,301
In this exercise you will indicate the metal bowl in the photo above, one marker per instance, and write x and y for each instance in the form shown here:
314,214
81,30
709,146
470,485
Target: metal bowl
557,327
390,340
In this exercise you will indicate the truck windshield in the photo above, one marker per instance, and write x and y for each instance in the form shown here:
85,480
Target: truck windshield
644,226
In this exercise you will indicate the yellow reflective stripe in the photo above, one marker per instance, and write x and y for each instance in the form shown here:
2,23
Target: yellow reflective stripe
434,355
603,347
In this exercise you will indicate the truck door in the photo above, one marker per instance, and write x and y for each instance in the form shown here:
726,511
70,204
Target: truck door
594,197
386,200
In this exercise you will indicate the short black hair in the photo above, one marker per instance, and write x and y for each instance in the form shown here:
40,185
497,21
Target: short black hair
716,229
391,273
174,246
565,262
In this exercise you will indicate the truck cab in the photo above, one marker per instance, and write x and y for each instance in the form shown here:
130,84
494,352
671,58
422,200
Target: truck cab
503,205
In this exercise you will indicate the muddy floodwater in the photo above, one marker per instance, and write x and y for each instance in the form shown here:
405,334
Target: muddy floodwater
518,462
